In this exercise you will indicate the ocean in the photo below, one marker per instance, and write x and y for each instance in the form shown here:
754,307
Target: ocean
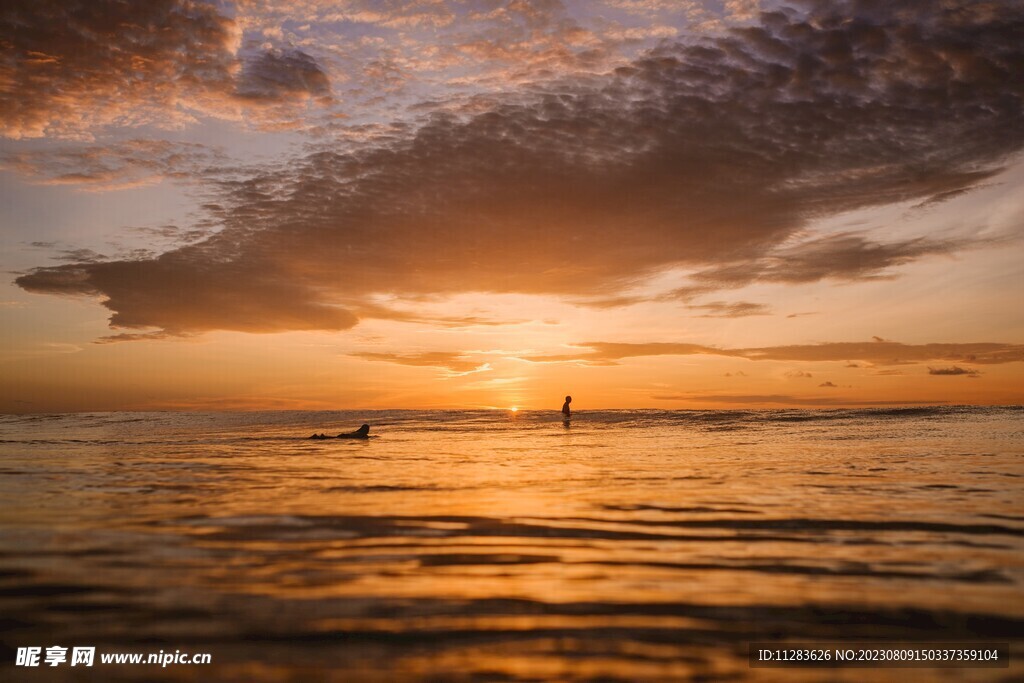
634,545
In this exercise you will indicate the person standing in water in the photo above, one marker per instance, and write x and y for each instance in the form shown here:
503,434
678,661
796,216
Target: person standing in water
566,412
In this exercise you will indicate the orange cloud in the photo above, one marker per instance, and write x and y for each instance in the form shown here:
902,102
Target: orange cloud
783,399
875,352
738,309
455,363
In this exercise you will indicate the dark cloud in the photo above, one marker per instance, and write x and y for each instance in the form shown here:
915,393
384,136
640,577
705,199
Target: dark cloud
276,74
878,353
954,371
828,385
580,188
209,299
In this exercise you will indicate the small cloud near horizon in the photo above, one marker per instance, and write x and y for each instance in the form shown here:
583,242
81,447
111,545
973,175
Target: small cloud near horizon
782,399
954,371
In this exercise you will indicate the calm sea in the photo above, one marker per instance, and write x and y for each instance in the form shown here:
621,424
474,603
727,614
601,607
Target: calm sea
473,545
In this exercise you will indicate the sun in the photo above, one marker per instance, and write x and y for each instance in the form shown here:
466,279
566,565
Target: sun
514,409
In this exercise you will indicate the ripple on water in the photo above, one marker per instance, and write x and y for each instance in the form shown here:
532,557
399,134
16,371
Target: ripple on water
638,545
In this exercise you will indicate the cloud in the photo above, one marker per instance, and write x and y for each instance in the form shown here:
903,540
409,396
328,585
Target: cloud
380,312
115,166
457,364
68,68
172,234
742,10
878,353
580,187
798,374
608,353
891,353
209,299
954,371
391,13
738,309
80,256
846,256
828,385
780,399
135,336
276,74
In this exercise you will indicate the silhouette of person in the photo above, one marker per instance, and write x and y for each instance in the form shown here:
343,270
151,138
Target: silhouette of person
361,433
565,407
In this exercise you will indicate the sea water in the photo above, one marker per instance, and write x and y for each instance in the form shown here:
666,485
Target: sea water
490,545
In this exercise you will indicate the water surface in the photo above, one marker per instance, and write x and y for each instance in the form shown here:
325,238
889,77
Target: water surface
633,545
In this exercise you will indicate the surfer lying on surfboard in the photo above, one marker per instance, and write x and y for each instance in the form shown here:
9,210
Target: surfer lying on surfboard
361,433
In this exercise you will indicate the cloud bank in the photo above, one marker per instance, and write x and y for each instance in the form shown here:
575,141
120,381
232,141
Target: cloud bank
710,155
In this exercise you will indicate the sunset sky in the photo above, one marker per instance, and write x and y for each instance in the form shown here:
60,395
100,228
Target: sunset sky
468,204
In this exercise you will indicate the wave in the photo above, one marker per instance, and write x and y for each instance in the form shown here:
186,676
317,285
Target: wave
811,530
271,425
